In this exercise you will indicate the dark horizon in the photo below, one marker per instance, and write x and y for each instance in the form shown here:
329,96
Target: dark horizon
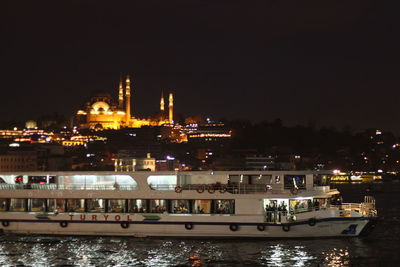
331,63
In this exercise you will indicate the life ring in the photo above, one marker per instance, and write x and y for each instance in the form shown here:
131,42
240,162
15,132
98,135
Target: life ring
223,189
261,227
178,189
189,226
312,221
200,189
234,227
5,223
125,225
286,228
211,189
63,224
294,191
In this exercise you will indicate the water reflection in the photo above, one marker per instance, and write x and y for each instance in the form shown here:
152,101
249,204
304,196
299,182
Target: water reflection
111,251
283,255
337,257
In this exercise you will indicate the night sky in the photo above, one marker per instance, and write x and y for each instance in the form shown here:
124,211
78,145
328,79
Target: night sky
334,63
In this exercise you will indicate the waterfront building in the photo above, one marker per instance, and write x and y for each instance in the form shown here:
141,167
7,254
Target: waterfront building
124,162
207,132
18,160
34,157
260,162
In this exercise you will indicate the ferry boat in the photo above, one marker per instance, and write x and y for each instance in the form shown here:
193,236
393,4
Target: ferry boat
267,204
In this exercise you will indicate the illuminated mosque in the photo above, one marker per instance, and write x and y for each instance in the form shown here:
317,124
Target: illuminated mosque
101,112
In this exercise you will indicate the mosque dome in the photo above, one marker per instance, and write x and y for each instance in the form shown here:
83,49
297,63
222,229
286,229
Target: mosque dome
100,96
100,106
31,124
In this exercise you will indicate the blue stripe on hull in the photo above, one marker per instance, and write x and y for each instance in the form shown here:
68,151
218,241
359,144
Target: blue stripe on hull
196,223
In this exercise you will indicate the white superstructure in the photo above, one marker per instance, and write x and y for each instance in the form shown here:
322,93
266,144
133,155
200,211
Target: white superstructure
198,204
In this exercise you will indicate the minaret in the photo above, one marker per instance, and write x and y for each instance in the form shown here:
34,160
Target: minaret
128,99
120,95
171,108
162,102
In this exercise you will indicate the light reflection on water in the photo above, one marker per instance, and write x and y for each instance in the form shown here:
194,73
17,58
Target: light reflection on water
112,251
281,255
337,257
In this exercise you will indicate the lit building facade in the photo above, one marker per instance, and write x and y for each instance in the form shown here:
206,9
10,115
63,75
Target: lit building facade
18,161
102,112
208,132
126,163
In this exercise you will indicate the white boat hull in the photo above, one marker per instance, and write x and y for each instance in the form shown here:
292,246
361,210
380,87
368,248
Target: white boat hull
213,226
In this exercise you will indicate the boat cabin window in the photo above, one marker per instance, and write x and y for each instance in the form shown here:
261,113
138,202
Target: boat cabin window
321,179
37,204
137,206
224,206
177,206
13,179
95,205
162,182
202,206
301,205
236,179
19,179
180,206
75,205
261,179
294,181
41,179
276,204
3,204
158,205
17,204
54,205
116,205
320,203
275,209
97,182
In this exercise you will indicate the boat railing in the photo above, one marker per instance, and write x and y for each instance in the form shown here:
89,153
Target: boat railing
366,208
252,188
238,188
66,187
232,188
325,188
345,209
350,206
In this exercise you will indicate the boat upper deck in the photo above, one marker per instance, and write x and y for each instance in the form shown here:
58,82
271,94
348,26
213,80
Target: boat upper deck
233,182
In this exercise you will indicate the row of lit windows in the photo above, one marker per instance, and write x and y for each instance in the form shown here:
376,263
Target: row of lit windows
181,206
129,162
7,159
16,167
148,162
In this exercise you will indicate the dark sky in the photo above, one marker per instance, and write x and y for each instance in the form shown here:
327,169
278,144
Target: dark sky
332,62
